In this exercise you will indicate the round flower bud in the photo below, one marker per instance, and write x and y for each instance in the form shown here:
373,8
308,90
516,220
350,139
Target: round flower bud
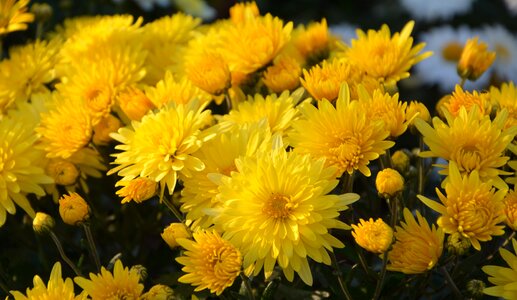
389,182
134,103
475,59
375,237
159,292
138,189
62,171
141,270
173,232
458,244
42,223
103,129
475,288
415,107
400,161
42,12
73,209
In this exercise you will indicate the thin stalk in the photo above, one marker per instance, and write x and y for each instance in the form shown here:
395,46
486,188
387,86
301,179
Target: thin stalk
348,183
228,101
247,284
362,262
451,283
462,82
506,241
62,253
39,30
174,210
91,243
4,287
420,166
342,283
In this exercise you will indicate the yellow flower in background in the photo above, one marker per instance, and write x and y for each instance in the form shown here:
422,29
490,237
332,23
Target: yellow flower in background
323,82
56,288
103,129
504,98
383,56
389,183
66,128
138,189
173,232
210,262
401,160
503,278
415,108
134,103
159,292
62,171
387,108
21,165
123,283
165,40
417,246
277,210
169,90
510,209
472,207
482,149
279,110
161,144
283,75
219,154
73,209
208,71
342,134
475,59
253,44
312,42
460,98
374,236
14,16
241,12
28,70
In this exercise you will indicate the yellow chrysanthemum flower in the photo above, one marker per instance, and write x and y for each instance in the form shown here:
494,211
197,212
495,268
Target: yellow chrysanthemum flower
219,154
134,103
341,134
169,90
475,59
276,210
103,129
165,40
283,75
123,283
57,288
312,42
173,232
417,247
161,145
241,12
62,171
253,44
208,71
482,149
389,183
14,16
384,57
73,209
510,209
210,262
503,278
138,189
417,109
324,82
460,98
21,165
27,71
504,98
472,207
66,128
279,111
387,108
374,236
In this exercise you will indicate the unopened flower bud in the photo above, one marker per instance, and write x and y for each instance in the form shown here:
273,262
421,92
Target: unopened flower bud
141,270
400,161
458,244
389,182
42,223
138,189
174,232
159,292
415,110
134,103
475,288
103,129
475,59
62,171
42,12
73,209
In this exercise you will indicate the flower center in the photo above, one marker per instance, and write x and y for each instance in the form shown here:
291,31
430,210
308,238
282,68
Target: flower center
452,51
347,154
469,158
279,206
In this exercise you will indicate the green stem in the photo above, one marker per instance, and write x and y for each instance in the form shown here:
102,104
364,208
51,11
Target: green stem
247,284
362,262
462,82
506,241
39,30
228,101
420,166
342,283
93,250
348,182
62,253
4,287
174,210
451,283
